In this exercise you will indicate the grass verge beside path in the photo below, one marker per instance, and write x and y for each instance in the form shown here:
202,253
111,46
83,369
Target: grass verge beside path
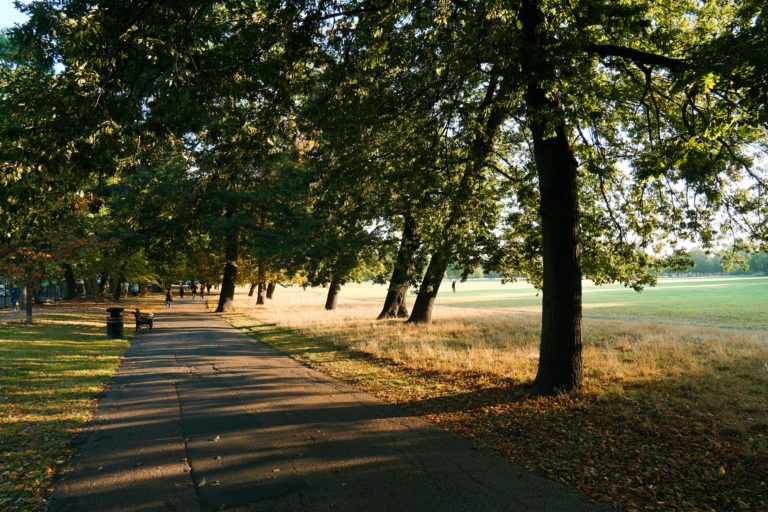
50,377
670,418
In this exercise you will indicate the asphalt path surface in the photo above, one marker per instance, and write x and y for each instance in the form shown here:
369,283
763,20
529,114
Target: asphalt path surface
201,417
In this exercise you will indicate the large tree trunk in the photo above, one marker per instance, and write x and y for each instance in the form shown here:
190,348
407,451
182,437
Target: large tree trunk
493,112
395,302
114,287
430,284
69,279
117,291
270,290
227,295
560,363
333,294
262,294
30,286
251,289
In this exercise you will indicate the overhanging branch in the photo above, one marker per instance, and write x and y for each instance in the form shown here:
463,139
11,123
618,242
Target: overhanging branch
637,56
357,11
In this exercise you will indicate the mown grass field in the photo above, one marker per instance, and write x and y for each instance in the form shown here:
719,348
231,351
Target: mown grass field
740,302
51,374
673,414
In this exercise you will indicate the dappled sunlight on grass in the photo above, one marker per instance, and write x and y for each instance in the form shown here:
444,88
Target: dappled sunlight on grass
51,374
75,321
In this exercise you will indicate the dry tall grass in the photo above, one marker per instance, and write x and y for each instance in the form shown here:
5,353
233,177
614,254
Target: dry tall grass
505,344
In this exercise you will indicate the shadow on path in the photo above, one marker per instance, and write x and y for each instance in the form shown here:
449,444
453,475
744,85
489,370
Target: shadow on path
199,417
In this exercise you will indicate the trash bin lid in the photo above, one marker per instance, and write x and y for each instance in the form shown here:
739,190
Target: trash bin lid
115,310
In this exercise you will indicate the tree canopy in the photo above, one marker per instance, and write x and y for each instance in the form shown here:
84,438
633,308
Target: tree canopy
321,142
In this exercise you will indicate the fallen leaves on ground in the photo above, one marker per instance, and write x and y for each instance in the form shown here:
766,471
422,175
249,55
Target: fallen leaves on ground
648,446
52,373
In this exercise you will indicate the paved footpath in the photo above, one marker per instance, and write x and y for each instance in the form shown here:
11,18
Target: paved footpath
202,418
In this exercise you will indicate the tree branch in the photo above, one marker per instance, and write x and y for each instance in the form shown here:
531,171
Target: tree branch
743,163
637,56
355,12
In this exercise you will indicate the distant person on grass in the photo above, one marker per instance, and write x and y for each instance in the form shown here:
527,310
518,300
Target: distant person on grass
168,298
181,291
453,286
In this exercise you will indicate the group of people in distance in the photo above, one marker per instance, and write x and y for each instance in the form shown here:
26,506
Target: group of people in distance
194,288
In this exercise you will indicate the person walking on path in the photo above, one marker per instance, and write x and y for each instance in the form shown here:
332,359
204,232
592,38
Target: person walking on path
168,298
202,291
194,291
15,299
181,291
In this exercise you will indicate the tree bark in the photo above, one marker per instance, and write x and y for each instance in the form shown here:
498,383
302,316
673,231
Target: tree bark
227,295
117,291
397,293
430,284
69,279
395,303
333,294
560,362
114,287
492,114
91,287
271,290
262,294
251,289
30,285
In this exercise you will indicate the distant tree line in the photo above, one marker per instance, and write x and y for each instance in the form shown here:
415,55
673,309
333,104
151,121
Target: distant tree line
704,263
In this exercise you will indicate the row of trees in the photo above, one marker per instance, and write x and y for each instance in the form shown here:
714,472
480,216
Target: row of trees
262,141
730,263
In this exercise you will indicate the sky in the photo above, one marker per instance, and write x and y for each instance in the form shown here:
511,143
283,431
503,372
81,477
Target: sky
9,15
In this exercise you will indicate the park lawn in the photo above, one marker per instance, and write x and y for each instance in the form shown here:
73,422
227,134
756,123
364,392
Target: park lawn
672,416
725,302
50,377
738,302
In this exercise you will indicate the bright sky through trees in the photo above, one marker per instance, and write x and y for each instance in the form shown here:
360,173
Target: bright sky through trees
9,15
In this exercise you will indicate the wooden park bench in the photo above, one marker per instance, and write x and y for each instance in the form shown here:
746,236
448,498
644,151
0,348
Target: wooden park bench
143,319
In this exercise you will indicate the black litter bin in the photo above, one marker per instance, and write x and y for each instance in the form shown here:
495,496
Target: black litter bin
115,323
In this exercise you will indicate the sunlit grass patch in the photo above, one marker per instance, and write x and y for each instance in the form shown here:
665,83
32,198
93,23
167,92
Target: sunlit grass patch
51,374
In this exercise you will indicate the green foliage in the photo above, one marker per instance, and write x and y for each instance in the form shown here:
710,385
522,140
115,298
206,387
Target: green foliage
152,134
